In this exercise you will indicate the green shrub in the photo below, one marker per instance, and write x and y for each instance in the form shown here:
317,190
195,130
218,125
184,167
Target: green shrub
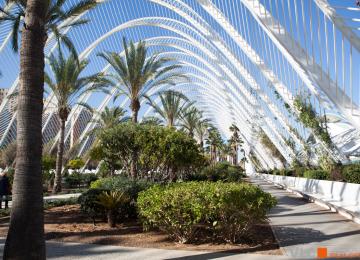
287,172
159,150
299,171
276,172
111,201
76,179
351,173
88,178
76,164
222,171
129,187
317,174
58,203
5,212
73,180
227,209
89,206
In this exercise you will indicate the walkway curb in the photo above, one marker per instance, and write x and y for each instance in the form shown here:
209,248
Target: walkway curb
343,212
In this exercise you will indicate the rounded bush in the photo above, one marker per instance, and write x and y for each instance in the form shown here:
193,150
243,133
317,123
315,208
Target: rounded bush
351,173
227,209
317,174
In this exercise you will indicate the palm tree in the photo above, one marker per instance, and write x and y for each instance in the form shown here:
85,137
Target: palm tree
201,130
67,88
215,141
54,19
25,239
109,118
173,103
136,74
151,120
190,119
234,142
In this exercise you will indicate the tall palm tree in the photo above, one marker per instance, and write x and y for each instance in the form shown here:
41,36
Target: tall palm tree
54,19
201,130
67,87
25,239
234,142
215,141
190,119
136,74
173,103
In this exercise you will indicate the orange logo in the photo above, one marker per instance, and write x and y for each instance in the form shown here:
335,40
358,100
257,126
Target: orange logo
322,252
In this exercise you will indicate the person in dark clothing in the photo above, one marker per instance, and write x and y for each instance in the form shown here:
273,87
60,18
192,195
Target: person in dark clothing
4,189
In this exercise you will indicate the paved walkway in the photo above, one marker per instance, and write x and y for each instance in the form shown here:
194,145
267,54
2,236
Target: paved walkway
67,251
54,197
62,196
301,227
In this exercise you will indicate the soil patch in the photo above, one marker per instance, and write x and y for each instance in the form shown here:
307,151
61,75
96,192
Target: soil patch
67,224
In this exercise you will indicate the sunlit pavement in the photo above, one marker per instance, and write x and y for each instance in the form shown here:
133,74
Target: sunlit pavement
303,228
64,251
55,197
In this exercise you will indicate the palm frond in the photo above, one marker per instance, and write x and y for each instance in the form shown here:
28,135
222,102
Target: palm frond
79,8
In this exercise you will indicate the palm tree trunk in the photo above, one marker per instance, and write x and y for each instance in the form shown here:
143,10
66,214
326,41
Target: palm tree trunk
235,156
59,158
134,116
25,239
134,157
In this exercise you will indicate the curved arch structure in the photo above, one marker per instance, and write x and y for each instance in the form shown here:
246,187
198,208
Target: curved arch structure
247,60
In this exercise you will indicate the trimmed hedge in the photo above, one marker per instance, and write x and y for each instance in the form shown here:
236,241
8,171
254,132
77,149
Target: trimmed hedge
317,174
77,180
222,171
228,210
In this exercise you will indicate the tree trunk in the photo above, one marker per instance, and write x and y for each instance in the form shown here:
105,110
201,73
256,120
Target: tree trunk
135,107
111,218
134,156
25,239
235,156
133,166
59,158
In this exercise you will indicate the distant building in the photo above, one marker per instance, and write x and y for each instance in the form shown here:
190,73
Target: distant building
3,93
12,102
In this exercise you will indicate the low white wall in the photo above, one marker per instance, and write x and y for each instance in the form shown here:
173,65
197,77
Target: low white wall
340,194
